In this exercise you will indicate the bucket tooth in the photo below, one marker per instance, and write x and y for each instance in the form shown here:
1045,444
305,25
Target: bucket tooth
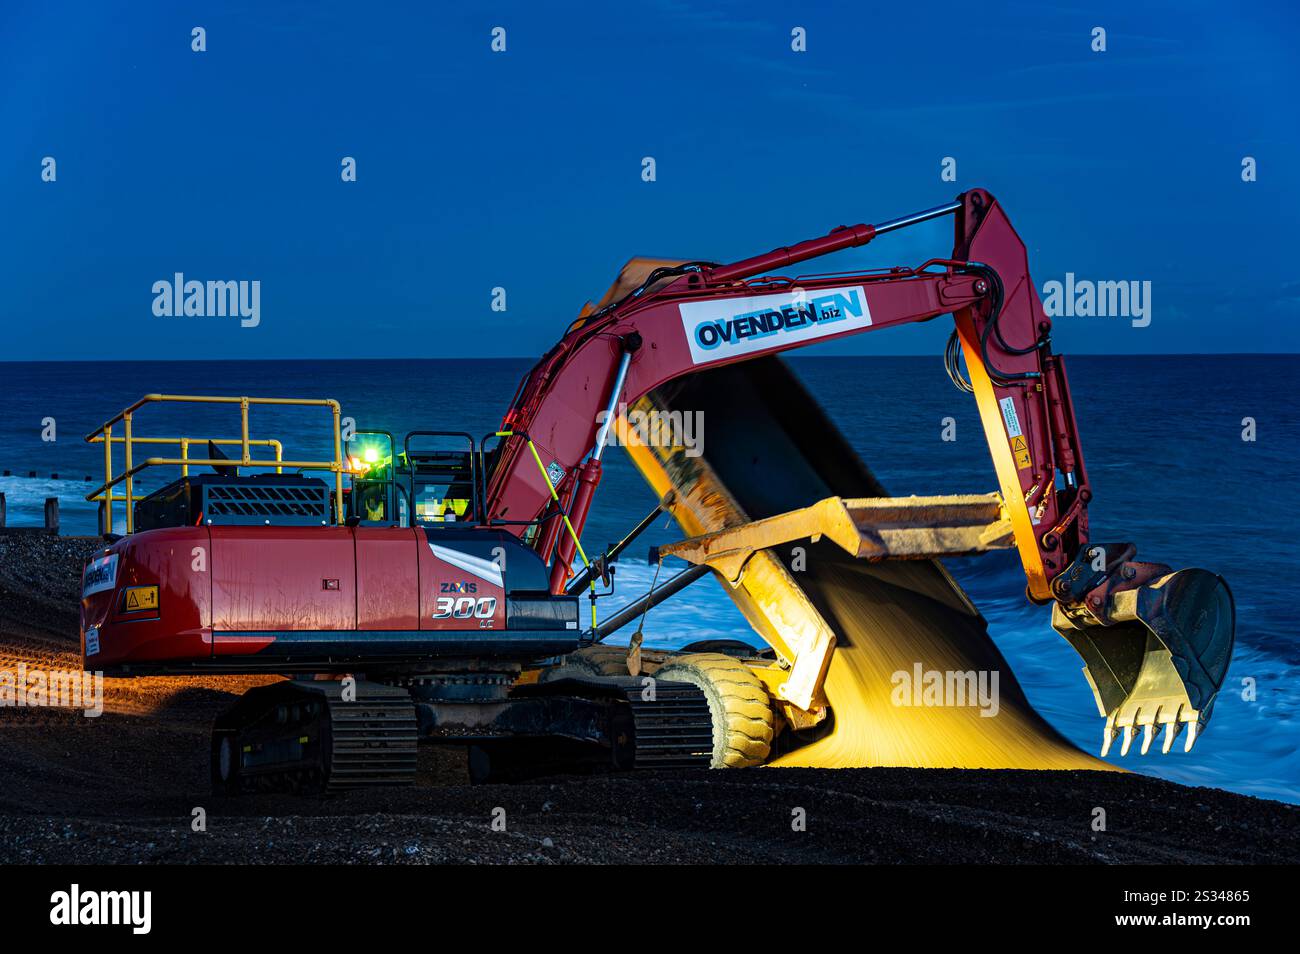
1127,741
1172,730
1108,735
1148,733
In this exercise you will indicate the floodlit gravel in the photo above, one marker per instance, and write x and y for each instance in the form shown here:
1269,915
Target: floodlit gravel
131,787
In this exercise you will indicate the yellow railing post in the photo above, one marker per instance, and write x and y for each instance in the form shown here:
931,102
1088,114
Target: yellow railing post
130,494
338,463
243,422
185,456
108,475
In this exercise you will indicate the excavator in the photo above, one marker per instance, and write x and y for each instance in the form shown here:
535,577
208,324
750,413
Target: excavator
435,593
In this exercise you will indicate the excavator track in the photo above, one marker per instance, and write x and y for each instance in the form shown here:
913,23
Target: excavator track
673,727
674,730
625,723
315,737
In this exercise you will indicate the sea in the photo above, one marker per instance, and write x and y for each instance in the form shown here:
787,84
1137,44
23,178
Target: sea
1191,457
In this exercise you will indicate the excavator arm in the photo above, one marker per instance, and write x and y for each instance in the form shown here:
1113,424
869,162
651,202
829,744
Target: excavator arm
1156,644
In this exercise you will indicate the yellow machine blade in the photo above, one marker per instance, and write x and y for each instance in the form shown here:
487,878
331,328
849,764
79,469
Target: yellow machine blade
908,673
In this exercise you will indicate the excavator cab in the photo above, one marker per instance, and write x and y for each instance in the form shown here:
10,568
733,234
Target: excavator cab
424,486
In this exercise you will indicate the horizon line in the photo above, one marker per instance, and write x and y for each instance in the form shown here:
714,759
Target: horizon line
810,357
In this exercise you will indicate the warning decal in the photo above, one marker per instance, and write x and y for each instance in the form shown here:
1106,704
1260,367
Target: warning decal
1008,406
1020,451
141,598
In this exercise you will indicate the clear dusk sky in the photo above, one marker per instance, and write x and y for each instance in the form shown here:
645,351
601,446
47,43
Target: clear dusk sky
522,169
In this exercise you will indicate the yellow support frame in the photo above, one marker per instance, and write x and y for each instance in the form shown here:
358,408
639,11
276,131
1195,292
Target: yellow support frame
1013,497
104,435
870,528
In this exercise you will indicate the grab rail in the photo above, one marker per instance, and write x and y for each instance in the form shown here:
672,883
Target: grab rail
104,435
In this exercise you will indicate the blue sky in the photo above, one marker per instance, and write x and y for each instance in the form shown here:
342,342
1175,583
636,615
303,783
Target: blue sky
522,169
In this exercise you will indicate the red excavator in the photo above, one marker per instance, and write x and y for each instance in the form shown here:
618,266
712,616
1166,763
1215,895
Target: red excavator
432,592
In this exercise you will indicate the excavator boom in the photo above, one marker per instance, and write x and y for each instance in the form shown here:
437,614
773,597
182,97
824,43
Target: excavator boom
1156,644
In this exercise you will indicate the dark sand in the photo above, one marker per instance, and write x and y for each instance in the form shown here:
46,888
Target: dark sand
123,789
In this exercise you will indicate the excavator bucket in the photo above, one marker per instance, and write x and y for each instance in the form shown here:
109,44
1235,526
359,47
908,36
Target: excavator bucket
1161,661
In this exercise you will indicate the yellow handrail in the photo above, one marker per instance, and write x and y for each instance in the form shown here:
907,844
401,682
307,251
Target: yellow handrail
104,435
